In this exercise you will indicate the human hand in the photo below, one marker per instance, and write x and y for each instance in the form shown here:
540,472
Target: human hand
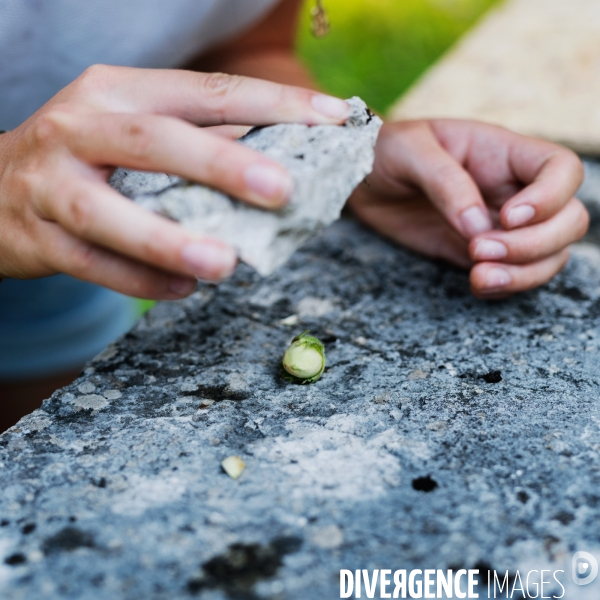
480,196
58,214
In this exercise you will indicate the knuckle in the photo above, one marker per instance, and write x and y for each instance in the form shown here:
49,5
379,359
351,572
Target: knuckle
93,78
216,88
219,84
138,137
83,259
50,126
27,179
80,214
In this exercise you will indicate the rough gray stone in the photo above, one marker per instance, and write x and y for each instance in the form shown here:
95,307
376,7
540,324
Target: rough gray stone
114,490
589,194
326,162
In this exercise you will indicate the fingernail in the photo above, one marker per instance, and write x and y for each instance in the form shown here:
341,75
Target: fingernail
181,286
490,250
519,215
209,260
497,278
269,183
475,220
331,107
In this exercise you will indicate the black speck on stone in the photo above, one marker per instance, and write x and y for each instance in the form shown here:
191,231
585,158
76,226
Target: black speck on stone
15,559
237,570
564,517
492,377
4,523
424,484
523,497
67,540
28,528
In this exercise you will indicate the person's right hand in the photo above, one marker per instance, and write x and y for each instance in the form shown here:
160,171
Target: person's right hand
58,214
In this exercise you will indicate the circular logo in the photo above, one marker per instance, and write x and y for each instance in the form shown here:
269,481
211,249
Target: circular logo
585,568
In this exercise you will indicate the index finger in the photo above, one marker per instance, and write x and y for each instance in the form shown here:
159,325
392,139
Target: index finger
552,175
210,98
92,211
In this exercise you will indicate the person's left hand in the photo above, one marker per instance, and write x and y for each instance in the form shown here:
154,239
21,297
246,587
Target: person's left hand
480,196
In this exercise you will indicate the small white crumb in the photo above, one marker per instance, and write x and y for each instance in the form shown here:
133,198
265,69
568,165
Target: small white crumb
289,321
360,340
418,374
234,466
112,394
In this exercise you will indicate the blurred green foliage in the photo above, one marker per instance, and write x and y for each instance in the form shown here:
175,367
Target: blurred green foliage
378,48
143,306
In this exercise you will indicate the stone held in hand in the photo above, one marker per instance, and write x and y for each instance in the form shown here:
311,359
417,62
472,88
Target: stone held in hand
327,162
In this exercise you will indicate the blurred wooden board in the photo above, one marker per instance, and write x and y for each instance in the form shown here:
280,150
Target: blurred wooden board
531,65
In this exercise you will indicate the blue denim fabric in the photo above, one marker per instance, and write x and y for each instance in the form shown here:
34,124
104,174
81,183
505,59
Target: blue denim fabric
56,324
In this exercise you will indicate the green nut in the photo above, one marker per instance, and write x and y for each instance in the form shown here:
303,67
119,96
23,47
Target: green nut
304,360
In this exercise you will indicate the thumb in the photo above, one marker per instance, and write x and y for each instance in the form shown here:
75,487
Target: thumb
431,168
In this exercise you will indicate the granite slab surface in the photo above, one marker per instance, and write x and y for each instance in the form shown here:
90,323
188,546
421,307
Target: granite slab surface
446,432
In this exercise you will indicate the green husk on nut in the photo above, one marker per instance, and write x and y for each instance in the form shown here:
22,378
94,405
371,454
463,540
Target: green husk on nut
304,360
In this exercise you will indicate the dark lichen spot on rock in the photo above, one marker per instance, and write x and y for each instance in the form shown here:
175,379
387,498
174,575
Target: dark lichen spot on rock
67,540
28,528
18,558
492,377
564,517
571,292
101,483
219,393
424,484
523,497
237,570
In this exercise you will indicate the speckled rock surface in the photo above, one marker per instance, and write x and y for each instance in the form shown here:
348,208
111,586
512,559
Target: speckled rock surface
589,193
326,163
445,432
